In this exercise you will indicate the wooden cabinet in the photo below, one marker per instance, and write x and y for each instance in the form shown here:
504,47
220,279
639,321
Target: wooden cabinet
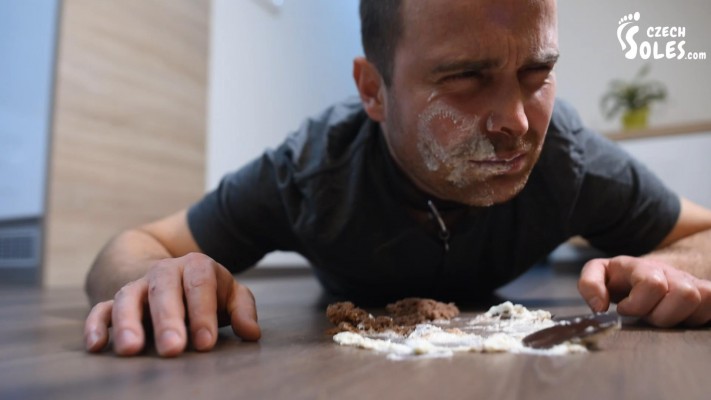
129,127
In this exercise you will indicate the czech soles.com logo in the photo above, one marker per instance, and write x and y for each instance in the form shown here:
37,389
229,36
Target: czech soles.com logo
663,42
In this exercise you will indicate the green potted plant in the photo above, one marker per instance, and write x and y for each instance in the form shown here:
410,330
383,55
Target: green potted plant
632,99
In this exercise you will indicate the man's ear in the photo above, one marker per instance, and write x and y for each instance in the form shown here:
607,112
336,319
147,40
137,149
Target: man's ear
370,87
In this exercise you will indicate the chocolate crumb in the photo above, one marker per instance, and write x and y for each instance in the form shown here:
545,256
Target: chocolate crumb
402,318
413,311
345,312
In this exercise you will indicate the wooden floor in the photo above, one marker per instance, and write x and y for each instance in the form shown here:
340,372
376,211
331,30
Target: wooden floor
41,356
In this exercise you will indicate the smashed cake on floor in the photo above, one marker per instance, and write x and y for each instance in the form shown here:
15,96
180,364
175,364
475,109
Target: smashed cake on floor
416,328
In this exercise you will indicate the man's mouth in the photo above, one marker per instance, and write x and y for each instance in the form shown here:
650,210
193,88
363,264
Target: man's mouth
502,163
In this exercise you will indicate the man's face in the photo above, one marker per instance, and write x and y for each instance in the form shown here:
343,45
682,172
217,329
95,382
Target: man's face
471,96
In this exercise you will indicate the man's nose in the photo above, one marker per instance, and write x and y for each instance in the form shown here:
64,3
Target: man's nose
508,115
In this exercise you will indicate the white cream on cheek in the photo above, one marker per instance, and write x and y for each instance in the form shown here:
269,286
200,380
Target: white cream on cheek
447,138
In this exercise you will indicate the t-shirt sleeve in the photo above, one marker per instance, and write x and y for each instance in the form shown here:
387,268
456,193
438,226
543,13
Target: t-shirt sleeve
243,219
622,207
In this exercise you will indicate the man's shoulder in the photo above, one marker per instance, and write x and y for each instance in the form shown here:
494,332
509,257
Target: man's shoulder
563,139
565,119
328,138
561,165
568,138
567,133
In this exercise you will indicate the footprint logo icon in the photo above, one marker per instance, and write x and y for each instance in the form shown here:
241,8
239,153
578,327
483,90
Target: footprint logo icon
625,34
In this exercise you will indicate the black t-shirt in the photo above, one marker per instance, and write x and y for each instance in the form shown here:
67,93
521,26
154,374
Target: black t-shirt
332,193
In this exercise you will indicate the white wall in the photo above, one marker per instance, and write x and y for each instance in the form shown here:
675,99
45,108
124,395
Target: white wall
682,162
591,56
270,68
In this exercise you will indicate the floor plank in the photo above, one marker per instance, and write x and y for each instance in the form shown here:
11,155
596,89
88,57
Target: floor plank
41,356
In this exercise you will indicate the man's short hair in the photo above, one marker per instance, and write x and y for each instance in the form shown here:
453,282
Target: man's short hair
380,29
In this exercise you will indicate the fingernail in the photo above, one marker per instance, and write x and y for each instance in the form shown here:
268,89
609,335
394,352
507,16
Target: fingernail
170,335
169,340
127,336
595,303
203,339
169,343
92,339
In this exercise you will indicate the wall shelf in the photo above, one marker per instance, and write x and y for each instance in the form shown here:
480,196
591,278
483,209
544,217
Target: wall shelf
659,131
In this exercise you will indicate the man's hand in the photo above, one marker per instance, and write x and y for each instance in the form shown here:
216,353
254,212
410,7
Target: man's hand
661,294
195,284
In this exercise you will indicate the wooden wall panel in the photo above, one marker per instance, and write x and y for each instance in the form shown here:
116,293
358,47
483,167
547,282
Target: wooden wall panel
129,123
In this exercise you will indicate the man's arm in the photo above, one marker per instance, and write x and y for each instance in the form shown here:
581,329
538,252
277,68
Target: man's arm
159,268
688,246
668,286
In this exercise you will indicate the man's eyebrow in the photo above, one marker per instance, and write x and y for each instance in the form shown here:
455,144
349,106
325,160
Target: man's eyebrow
464,65
543,58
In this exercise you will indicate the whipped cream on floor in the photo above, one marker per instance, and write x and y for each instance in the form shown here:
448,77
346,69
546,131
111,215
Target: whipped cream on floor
498,330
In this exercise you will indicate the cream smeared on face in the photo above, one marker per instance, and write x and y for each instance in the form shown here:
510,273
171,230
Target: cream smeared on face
472,94
454,142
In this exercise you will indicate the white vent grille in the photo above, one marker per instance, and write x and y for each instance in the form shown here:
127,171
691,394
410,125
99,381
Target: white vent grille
19,247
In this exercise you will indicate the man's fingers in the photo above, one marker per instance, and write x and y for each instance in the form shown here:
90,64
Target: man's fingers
702,314
96,327
661,294
680,301
243,313
200,285
592,284
649,286
194,284
165,297
126,317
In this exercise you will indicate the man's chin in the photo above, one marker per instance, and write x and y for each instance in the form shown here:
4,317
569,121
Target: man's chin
489,192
